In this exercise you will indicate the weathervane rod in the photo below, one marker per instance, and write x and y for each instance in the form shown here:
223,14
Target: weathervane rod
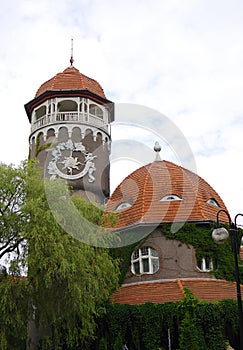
71,59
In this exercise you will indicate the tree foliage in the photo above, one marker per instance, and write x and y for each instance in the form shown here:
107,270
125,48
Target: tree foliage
190,324
63,297
13,182
13,311
68,281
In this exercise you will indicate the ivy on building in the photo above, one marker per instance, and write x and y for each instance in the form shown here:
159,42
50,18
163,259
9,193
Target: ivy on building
40,147
200,237
187,324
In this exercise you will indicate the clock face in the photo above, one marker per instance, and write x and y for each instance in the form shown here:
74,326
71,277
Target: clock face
71,161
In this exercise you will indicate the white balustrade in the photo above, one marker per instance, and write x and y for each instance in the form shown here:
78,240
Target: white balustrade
69,117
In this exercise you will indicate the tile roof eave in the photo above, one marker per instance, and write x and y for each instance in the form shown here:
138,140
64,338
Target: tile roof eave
171,280
209,289
29,106
140,224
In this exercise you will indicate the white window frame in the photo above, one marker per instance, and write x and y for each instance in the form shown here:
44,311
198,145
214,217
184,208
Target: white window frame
123,205
170,198
141,254
203,266
213,201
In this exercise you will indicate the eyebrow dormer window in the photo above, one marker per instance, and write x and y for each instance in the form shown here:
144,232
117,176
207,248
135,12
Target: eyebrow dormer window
123,205
212,201
170,198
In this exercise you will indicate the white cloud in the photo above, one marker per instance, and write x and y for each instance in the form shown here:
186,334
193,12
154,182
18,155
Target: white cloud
183,59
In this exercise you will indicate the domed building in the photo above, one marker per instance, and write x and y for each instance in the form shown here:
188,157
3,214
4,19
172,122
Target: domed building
164,213
154,205
70,135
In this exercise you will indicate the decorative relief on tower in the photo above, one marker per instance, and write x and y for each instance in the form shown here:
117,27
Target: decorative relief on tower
71,161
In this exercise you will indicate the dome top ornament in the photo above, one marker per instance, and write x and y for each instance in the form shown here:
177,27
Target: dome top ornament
157,149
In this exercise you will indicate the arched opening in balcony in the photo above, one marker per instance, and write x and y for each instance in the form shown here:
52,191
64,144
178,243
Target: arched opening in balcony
40,112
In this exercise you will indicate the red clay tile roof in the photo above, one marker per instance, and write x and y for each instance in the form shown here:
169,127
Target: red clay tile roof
144,188
171,291
71,79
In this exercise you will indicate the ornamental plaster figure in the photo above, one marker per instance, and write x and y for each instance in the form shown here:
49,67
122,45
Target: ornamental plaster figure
70,162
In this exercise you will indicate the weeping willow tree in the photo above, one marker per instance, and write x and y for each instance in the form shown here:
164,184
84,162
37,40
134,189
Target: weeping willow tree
67,280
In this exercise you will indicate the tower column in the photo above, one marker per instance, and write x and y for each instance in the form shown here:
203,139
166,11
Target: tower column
70,119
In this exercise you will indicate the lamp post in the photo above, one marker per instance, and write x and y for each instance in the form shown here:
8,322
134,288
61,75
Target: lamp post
220,235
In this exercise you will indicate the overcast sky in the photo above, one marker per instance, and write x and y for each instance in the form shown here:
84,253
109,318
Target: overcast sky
181,58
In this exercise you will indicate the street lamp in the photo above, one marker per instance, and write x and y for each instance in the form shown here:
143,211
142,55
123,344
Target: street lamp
220,235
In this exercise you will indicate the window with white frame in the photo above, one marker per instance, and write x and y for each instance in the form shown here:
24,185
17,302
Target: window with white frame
123,205
144,261
206,264
213,201
170,198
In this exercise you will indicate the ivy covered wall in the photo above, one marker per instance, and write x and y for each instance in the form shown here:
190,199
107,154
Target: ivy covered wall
200,237
189,324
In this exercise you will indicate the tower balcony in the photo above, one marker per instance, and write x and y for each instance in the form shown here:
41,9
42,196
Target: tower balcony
70,117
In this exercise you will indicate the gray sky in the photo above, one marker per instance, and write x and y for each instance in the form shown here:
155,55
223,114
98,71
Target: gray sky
181,58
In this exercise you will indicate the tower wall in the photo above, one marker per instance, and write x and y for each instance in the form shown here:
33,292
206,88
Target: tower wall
70,137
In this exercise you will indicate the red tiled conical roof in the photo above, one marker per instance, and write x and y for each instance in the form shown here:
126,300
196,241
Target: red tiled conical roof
146,186
71,79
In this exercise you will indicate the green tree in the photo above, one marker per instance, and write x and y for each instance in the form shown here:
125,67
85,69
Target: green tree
13,249
13,182
13,310
68,281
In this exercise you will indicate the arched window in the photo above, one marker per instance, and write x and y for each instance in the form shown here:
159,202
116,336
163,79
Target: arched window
206,264
123,205
67,106
50,133
95,110
144,261
213,201
40,112
170,198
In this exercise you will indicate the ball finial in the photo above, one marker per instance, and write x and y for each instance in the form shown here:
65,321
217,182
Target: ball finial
157,149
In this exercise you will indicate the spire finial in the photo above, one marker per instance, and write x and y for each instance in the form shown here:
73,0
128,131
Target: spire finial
157,149
71,59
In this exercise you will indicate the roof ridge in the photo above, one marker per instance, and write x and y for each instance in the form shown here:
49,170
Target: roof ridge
144,190
181,286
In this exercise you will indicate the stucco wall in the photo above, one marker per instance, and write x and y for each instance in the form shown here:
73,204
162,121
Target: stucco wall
176,260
